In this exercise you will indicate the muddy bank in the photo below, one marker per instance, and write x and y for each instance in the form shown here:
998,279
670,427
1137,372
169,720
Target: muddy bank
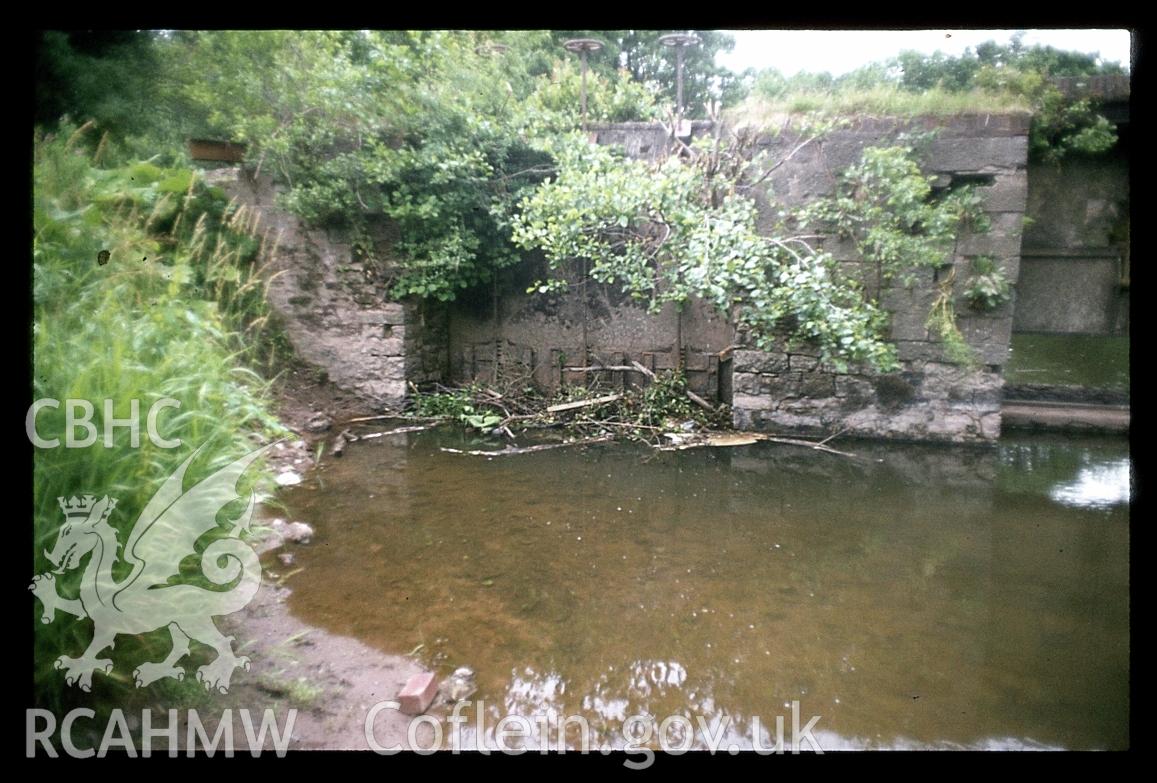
331,681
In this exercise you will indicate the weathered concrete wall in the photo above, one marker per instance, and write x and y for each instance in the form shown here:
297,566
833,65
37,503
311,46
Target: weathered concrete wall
931,398
1074,272
538,336
333,309
336,315
509,334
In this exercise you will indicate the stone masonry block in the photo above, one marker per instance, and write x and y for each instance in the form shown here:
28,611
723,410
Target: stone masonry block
1009,193
1008,152
759,361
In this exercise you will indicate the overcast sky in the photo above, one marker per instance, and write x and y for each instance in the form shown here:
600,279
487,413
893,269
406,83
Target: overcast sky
840,51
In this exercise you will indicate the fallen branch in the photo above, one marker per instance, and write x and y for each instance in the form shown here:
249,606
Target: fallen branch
746,439
702,403
810,445
627,424
643,370
398,431
570,406
528,449
376,418
835,434
608,368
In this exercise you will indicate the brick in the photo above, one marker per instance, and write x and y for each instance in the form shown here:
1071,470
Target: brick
418,692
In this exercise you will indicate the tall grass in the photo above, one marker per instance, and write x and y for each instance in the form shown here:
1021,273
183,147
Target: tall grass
175,312
879,101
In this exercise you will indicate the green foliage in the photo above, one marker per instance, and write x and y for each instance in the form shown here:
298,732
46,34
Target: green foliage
887,206
427,129
987,288
162,318
460,404
1060,125
107,76
556,105
438,404
872,99
903,227
942,323
664,403
994,77
666,232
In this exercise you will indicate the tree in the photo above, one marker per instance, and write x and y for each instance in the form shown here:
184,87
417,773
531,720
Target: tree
103,75
682,227
1059,126
648,62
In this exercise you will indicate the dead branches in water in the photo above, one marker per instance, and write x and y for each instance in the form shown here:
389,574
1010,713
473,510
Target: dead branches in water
570,406
529,449
664,414
719,439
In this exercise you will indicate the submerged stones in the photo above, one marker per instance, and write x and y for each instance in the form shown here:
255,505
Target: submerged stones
288,478
459,685
287,532
318,422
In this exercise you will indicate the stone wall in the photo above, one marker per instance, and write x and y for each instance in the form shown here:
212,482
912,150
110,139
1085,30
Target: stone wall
333,309
506,334
510,333
337,318
930,398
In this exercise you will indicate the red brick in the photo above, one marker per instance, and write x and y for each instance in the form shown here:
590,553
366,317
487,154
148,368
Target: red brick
418,692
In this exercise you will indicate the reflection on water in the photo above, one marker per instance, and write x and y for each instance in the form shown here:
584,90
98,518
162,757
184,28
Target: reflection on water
916,597
1096,486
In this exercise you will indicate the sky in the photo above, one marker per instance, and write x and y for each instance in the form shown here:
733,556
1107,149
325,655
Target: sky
840,51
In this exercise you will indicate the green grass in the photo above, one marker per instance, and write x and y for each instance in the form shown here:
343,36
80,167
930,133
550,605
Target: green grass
175,312
881,101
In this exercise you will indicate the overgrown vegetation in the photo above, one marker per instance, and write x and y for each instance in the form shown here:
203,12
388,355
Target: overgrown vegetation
175,312
431,132
683,227
992,78
903,229
987,288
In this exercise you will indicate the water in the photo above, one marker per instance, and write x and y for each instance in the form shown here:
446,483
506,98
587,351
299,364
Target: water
1096,361
916,597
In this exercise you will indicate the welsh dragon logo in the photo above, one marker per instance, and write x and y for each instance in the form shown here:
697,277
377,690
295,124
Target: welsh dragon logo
146,600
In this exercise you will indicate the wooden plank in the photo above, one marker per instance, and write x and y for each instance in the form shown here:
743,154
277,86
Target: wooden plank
570,406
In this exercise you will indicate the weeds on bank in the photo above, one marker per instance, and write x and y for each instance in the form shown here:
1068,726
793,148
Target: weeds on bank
147,284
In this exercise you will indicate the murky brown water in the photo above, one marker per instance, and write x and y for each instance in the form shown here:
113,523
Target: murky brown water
918,597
